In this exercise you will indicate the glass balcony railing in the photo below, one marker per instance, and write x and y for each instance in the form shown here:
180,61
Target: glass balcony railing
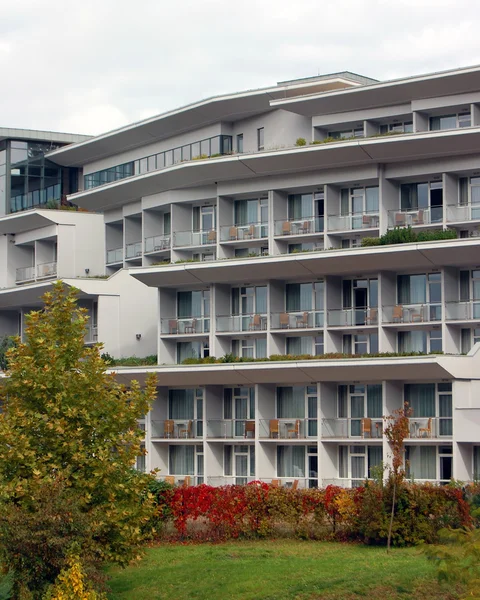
247,322
176,429
231,428
361,427
292,482
430,427
240,233
48,269
302,319
288,428
462,311
157,243
219,480
133,250
184,325
25,274
350,317
465,212
114,256
184,480
353,221
412,313
194,238
300,226
410,217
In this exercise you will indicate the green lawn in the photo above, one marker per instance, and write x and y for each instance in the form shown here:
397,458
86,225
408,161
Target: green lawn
278,570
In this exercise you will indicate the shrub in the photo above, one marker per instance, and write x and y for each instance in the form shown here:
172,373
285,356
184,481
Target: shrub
403,235
72,584
301,142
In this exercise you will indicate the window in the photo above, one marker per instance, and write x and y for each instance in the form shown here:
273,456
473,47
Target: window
429,462
470,337
356,402
305,298
250,348
191,350
430,400
358,203
240,143
239,462
453,121
357,462
402,127
291,461
186,460
299,402
140,464
109,175
347,133
194,305
305,345
476,463
360,344
249,300
420,341
239,406
251,212
261,138
469,196
422,289
423,199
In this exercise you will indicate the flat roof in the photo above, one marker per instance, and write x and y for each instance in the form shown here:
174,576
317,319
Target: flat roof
44,136
226,107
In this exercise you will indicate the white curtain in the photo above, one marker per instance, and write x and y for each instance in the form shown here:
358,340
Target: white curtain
181,404
182,460
374,401
421,399
291,402
422,462
291,461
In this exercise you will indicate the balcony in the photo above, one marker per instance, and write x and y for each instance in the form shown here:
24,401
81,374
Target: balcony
243,233
183,480
412,313
114,256
430,427
291,482
24,274
360,428
353,221
245,323
184,326
220,480
462,311
231,429
133,250
186,239
305,319
299,227
465,212
157,243
176,429
415,216
288,429
352,317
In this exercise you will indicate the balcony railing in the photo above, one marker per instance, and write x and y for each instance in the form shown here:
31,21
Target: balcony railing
157,243
231,428
412,313
465,212
347,317
462,311
291,482
220,480
114,256
248,322
48,269
184,480
174,429
133,250
25,274
240,233
184,326
194,238
404,217
344,482
301,226
288,428
361,427
353,221
430,427
302,319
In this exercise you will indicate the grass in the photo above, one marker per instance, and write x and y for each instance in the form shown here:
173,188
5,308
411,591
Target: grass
278,570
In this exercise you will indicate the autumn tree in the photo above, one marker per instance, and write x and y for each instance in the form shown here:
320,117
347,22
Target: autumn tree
397,429
69,438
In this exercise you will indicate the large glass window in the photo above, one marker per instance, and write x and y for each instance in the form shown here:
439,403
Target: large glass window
452,121
261,138
425,200
291,461
420,341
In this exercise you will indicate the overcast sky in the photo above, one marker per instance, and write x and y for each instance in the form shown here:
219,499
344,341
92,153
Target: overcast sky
93,65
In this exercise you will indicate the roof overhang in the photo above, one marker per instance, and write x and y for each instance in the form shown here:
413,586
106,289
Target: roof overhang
229,107
415,256
397,91
41,136
389,149
418,368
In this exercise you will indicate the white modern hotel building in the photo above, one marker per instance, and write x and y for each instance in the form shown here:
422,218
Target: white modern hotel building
211,233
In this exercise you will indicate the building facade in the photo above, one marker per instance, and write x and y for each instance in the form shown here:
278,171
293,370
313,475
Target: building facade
236,227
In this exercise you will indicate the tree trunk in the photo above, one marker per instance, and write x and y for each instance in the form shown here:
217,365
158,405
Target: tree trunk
390,527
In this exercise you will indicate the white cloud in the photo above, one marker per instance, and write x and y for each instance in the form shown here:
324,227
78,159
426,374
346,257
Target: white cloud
97,65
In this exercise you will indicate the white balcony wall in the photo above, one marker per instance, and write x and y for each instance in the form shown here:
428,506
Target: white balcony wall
158,458
451,336
328,401
279,212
